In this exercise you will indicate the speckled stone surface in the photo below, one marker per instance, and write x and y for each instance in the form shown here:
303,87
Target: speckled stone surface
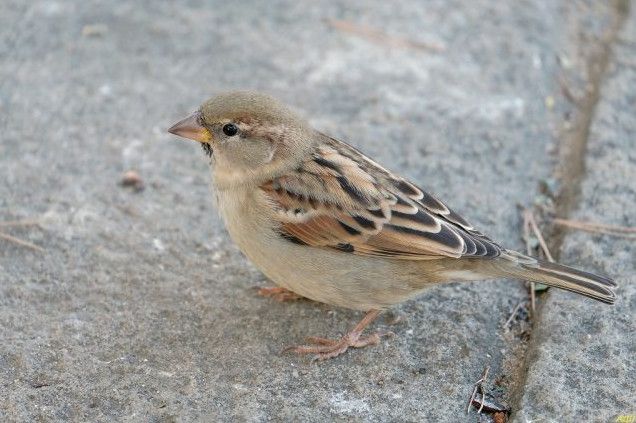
141,309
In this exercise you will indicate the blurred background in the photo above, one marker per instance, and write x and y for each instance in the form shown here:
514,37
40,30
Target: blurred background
122,298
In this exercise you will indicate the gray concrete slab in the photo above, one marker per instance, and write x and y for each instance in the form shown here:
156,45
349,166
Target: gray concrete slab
140,308
581,366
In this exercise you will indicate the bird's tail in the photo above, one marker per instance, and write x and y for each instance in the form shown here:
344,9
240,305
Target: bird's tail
527,268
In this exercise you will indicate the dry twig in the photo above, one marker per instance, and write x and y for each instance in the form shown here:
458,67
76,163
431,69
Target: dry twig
539,235
513,314
21,242
530,224
25,222
478,388
484,401
526,238
380,37
621,231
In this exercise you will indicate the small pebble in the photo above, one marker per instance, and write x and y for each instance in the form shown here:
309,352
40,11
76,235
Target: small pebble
549,102
132,179
94,30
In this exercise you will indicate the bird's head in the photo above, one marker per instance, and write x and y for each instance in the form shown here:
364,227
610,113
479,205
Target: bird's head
247,135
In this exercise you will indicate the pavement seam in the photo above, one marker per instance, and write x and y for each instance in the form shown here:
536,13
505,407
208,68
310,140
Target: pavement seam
573,143
570,167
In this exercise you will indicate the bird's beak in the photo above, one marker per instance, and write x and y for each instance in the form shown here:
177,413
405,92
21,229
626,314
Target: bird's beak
192,128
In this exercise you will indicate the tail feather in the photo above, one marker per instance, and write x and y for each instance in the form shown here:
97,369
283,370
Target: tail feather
560,276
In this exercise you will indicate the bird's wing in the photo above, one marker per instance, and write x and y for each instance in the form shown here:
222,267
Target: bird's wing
339,198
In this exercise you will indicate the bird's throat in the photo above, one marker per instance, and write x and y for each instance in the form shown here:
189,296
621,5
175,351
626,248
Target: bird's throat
207,148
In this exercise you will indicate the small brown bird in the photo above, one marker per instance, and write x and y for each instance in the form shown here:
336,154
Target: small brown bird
325,222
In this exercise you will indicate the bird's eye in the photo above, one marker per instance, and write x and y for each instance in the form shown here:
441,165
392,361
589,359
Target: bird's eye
230,129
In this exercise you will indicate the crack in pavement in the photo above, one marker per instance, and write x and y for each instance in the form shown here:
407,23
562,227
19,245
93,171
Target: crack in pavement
570,167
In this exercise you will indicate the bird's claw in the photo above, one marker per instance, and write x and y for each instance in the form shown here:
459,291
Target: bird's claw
324,348
278,293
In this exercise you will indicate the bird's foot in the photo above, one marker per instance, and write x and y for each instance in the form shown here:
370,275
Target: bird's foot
278,293
324,348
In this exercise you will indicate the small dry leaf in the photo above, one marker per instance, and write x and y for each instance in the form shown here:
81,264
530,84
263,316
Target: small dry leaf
499,417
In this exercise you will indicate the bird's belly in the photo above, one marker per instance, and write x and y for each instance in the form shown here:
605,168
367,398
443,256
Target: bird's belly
321,274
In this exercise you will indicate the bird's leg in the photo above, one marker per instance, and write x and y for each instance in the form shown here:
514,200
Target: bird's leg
278,293
328,348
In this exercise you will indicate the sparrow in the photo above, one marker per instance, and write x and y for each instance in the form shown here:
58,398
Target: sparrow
325,222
